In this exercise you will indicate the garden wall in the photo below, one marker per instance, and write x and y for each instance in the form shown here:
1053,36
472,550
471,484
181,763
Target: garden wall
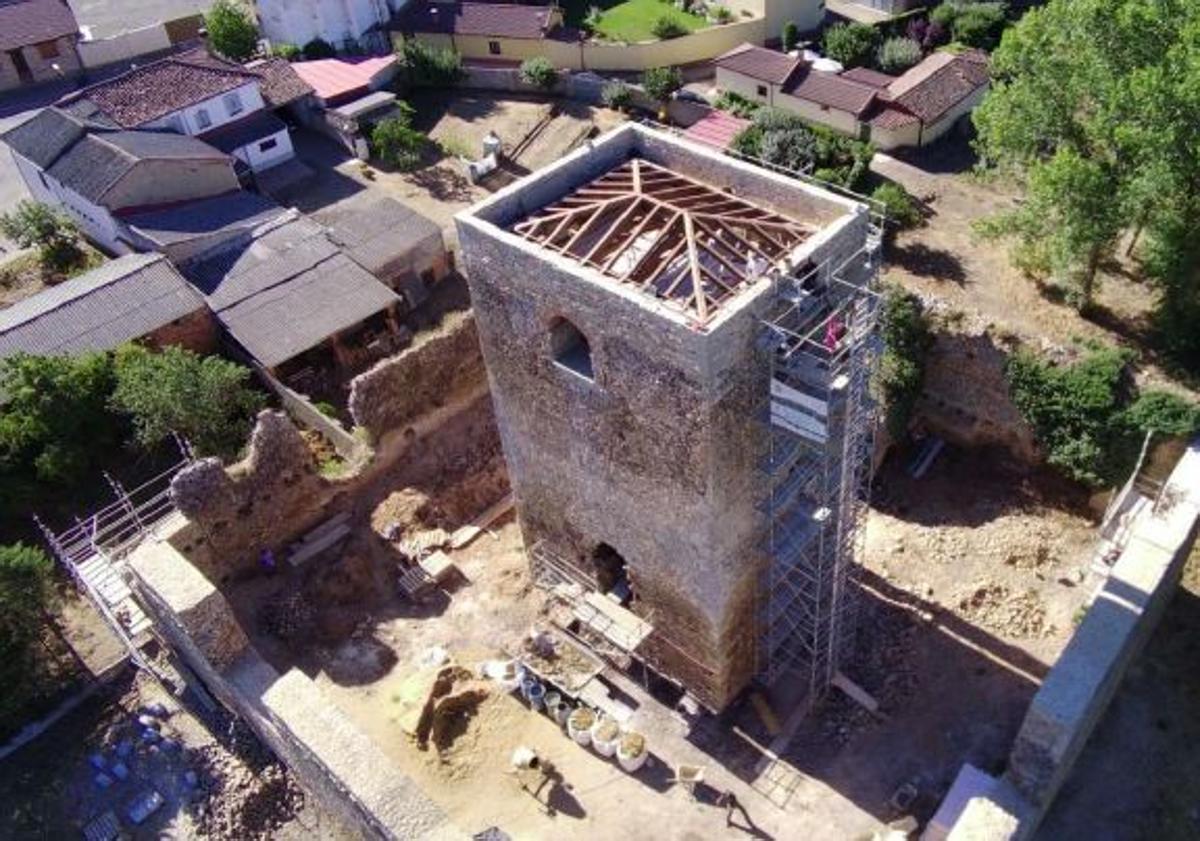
332,759
437,367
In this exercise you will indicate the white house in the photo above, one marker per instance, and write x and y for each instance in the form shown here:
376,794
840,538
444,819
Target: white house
913,109
193,94
98,173
342,23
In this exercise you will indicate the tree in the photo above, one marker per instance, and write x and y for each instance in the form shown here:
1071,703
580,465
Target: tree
319,48
26,594
396,142
55,424
790,36
231,30
851,44
661,82
539,72
902,210
429,66
617,95
288,52
978,24
1100,97
206,399
898,54
36,225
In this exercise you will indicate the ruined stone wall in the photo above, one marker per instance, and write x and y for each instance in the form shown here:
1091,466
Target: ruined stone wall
439,365
965,398
332,759
264,500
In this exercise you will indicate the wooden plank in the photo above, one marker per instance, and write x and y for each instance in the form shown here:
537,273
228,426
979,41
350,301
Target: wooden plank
765,714
693,259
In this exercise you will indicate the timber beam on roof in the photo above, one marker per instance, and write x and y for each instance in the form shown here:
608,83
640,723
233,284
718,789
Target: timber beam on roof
682,240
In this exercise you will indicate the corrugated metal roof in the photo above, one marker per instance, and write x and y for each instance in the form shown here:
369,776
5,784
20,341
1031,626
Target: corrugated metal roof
288,319
44,136
203,217
334,77
122,300
26,22
380,233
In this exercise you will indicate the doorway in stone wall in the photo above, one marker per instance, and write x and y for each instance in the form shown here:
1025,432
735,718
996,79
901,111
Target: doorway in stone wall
612,573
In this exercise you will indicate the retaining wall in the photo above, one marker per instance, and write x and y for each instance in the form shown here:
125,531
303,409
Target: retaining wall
1076,693
332,759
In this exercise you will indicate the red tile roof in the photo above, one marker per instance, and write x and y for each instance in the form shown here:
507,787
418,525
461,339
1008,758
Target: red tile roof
831,90
278,82
156,90
890,117
334,77
499,20
867,76
759,63
940,82
716,128
25,22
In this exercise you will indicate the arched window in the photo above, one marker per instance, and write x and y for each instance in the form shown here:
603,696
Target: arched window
571,349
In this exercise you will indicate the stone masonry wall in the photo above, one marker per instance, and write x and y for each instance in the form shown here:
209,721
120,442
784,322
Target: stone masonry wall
331,758
438,365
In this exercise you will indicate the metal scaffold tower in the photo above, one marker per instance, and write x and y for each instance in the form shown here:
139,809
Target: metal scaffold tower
821,338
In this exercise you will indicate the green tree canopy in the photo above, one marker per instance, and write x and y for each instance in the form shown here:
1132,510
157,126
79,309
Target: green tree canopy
660,82
790,36
395,142
1094,105
852,44
54,426
32,224
206,399
26,593
231,30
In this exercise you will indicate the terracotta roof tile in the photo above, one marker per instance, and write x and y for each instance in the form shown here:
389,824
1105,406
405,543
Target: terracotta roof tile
759,63
939,83
156,90
867,76
25,22
831,90
500,20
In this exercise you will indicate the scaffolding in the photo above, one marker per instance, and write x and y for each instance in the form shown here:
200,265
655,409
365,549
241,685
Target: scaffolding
821,339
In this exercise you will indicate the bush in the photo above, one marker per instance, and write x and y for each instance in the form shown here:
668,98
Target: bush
206,399
794,148
1076,412
720,14
666,27
1163,413
26,595
395,142
539,72
902,210
736,104
898,54
781,138
431,66
790,36
36,225
617,95
318,48
979,25
288,52
231,30
661,82
907,339
852,44
591,21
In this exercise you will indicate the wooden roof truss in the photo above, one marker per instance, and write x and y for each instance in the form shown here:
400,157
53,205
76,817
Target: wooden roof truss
679,239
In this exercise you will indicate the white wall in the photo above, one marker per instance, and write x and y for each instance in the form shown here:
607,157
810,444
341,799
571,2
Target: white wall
806,14
96,222
248,94
842,121
126,45
258,160
935,130
728,80
300,21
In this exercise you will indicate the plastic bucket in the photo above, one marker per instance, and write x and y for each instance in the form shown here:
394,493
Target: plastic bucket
629,762
564,709
579,725
552,701
605,735
534,692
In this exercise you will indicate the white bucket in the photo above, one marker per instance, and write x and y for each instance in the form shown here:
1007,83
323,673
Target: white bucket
580,735
632,763
561,712
605,746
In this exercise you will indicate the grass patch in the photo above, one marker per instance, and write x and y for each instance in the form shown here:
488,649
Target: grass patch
631,20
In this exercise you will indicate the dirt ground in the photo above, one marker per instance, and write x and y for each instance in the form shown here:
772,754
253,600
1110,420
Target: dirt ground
48,789
534,133
22,274
946,258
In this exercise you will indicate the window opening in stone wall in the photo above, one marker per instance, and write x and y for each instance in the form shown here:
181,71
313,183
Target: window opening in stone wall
571,349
